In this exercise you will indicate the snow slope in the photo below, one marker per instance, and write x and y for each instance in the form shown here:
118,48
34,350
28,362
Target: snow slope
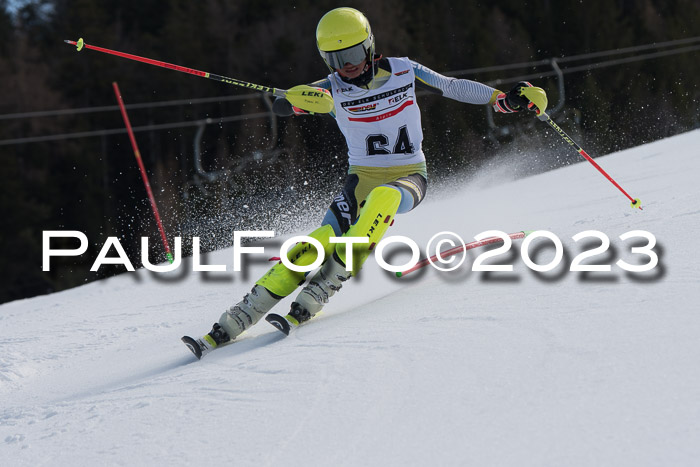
462,368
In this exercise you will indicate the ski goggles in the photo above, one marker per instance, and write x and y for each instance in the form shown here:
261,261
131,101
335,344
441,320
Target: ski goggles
353,55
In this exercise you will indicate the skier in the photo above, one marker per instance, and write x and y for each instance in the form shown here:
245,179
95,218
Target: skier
377,112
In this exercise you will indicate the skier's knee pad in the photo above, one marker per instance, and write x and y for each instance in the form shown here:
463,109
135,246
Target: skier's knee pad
413,188
282,281
407,201
376,215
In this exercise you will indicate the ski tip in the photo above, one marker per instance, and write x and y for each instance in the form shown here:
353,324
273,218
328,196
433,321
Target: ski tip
193,346
279,322
399,274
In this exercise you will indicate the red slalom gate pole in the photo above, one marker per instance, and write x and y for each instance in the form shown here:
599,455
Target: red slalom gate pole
459,249
137,154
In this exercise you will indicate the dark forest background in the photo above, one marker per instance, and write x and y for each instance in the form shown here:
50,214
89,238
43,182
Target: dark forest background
245,169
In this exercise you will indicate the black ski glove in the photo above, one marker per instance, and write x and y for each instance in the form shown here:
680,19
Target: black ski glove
512,101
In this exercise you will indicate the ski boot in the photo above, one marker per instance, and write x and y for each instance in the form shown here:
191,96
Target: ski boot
248,311
314,296
232,323
320,289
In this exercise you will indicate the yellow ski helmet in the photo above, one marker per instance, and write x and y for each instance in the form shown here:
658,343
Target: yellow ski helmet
344,36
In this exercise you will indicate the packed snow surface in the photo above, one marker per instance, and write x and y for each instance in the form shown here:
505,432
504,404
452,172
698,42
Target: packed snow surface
462,368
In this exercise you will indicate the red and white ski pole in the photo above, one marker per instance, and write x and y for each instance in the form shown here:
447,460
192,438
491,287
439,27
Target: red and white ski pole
137,153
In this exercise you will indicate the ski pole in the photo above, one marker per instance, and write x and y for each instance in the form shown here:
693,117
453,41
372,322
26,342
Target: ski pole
137,153
539,98
459,249
635,202
302,96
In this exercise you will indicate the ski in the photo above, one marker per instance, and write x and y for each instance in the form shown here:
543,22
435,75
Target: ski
283,324
205,344
202,346
195,345
216,338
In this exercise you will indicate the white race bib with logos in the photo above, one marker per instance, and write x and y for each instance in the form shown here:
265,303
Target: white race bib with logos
382,126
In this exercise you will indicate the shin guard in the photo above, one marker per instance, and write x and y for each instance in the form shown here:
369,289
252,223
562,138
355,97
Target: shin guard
282,281
376,216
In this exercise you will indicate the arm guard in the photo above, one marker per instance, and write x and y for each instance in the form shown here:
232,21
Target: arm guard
462,90
283,108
